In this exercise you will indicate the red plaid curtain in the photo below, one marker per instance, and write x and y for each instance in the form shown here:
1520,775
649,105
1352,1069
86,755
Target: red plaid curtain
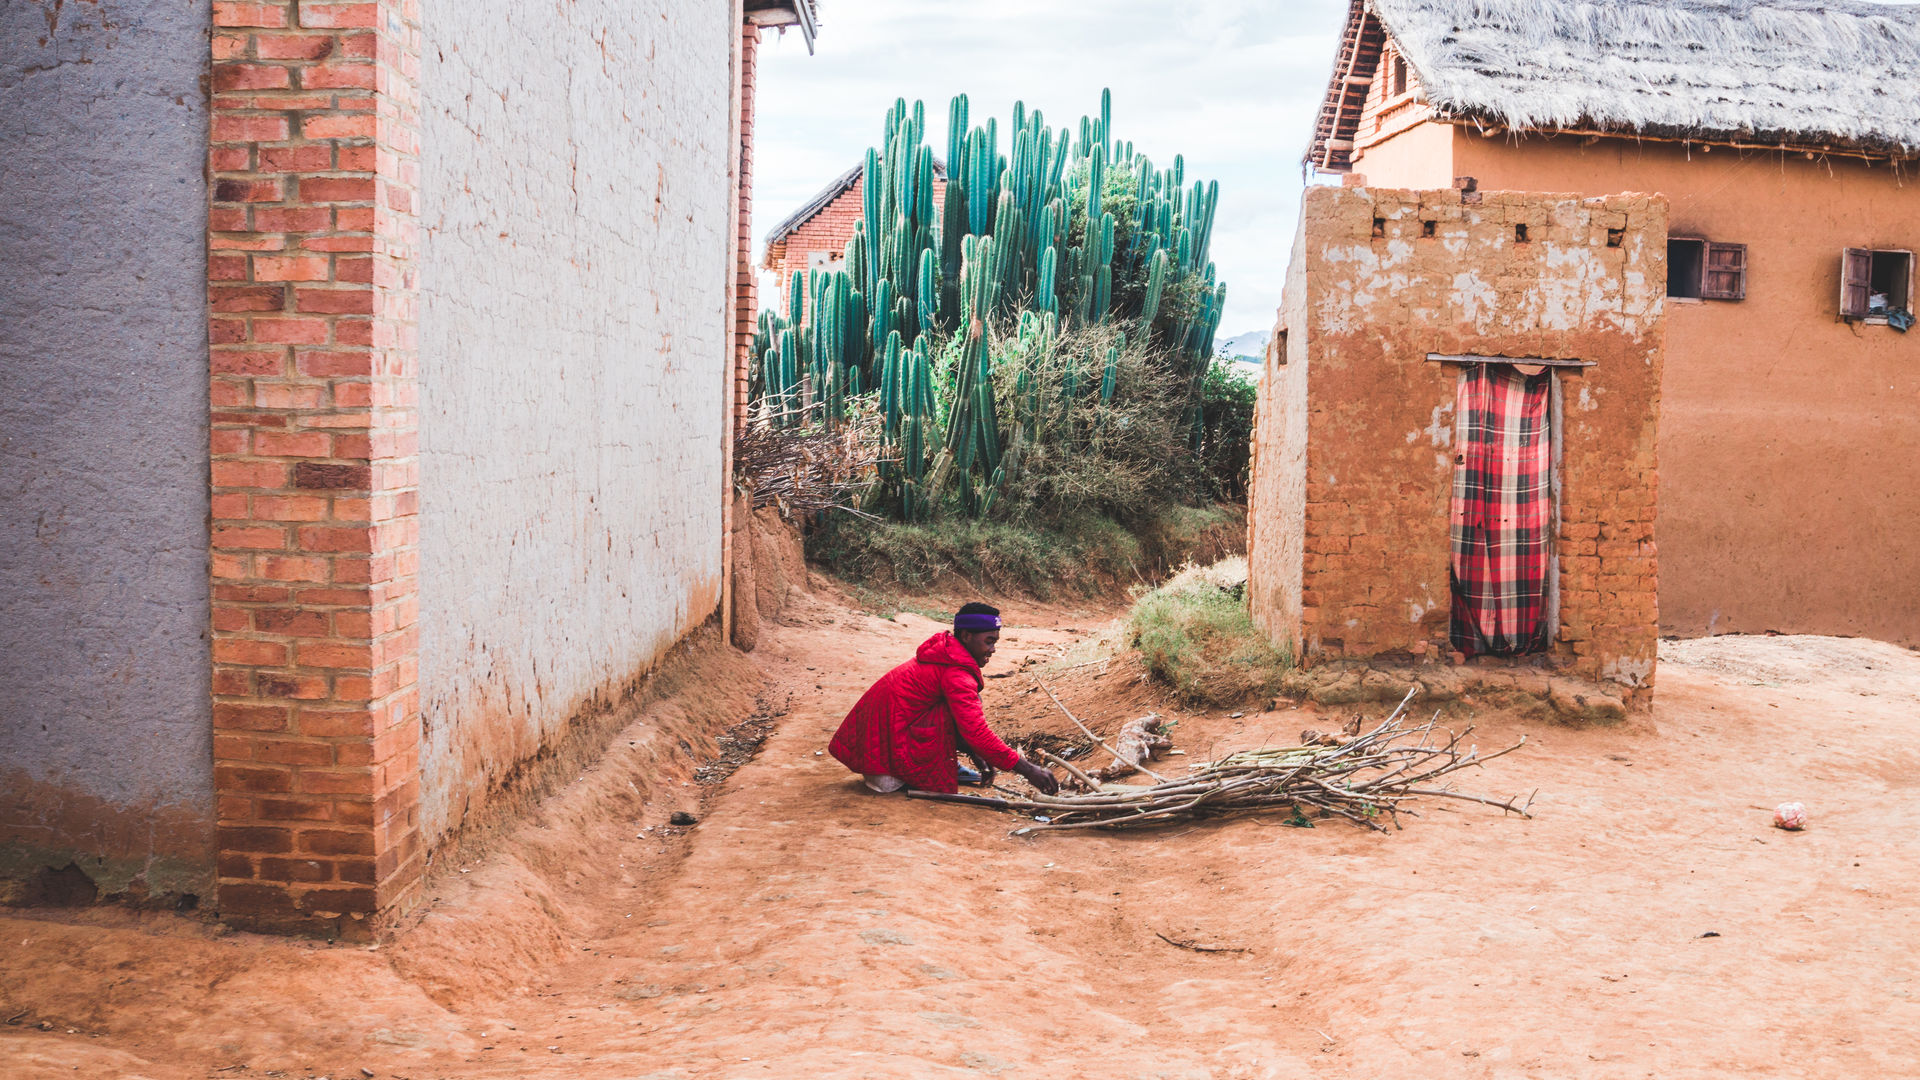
1502,511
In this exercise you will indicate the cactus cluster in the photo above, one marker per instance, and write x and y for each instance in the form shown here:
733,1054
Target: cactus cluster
1062,231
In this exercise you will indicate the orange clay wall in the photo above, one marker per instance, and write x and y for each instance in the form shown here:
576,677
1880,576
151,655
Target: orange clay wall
1356,428
1790,438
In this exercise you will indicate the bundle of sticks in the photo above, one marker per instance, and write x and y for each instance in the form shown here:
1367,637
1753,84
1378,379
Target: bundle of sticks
1367,779
806,469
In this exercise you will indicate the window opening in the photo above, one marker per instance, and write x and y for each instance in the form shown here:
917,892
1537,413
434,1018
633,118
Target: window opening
1615,236
1379,226
1877,285
1427,228
1399,74
1519,234
1686,262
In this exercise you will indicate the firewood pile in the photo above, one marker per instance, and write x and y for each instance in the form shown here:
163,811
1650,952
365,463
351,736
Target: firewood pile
804,470
1367,778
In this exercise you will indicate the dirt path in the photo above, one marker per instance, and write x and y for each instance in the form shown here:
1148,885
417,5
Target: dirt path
804,928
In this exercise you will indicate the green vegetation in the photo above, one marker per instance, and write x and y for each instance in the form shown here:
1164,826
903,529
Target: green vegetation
1195,634
1036,348
1082,555
1226,401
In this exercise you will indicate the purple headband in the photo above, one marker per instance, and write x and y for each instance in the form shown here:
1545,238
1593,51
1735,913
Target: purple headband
976,622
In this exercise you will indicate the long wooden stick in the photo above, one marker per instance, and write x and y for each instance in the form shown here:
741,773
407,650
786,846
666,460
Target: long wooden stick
1056,759
968,800
1089,733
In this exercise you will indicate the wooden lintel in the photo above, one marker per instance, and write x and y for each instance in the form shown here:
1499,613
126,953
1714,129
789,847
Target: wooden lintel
1469,358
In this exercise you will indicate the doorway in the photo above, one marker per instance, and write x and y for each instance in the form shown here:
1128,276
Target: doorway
1503,509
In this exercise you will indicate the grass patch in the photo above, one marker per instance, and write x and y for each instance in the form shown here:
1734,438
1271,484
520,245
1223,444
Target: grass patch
1195,634
1083,556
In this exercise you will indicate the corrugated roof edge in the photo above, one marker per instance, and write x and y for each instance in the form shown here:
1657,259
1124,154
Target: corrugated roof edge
840,186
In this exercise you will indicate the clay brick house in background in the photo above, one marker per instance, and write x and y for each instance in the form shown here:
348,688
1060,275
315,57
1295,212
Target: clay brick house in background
815,236
366,370
1464,389
1783,134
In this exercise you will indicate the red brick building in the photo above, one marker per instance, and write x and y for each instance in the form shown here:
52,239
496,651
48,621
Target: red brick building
815,236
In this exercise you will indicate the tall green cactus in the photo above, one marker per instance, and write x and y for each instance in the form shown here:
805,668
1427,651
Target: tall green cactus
1060,232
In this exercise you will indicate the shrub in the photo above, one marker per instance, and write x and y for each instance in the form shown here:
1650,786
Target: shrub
1226,405
1081,556
1194,633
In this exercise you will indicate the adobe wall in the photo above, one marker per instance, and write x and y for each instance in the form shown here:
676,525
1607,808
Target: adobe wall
576,210
1379,421
1790,438
1277,491
105,732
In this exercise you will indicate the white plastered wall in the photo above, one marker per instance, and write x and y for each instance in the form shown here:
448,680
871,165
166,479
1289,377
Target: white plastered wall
576,209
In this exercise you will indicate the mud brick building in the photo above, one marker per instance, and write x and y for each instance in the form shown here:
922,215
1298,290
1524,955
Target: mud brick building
1395,301
815,236
366,380
1784,135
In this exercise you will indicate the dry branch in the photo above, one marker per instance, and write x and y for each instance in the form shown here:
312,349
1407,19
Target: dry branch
1196,947
1365,779
807,469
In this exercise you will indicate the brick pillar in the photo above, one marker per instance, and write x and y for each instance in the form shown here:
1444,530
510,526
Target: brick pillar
745,291
313,162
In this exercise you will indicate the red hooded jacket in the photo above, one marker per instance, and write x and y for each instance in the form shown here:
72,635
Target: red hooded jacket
906,724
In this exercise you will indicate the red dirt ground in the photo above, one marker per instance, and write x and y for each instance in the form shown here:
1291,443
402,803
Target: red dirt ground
805,928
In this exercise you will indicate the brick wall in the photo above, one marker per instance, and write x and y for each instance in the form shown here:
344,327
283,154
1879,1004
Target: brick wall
1365,463
311,239
746,300
829,230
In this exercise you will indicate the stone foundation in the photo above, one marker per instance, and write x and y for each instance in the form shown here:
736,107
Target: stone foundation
1521,687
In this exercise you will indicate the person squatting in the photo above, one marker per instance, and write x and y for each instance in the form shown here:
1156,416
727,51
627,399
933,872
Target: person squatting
908,728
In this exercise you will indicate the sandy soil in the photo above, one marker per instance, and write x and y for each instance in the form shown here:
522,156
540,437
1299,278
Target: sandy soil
1646,923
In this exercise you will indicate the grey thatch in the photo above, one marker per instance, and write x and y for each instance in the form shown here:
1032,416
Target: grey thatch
1793,72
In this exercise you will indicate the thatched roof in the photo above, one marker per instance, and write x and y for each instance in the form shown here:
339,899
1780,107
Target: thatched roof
1803,73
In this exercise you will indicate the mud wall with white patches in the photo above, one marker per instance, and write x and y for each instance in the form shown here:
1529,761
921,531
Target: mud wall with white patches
1390,276
575,214
1790,441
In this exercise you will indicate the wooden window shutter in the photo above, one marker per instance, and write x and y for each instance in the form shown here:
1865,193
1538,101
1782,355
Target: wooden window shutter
1725,276
1856,277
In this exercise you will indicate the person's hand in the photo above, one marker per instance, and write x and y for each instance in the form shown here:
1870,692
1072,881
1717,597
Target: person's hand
1037,776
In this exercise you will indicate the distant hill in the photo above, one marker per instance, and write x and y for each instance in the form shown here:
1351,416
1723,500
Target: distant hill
1251,346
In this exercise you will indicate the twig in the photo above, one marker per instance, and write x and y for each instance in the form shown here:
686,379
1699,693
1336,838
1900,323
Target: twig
969,800
1089,733
1056,759
1194,947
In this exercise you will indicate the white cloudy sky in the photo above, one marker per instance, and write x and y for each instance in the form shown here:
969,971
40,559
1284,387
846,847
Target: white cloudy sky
1232,84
